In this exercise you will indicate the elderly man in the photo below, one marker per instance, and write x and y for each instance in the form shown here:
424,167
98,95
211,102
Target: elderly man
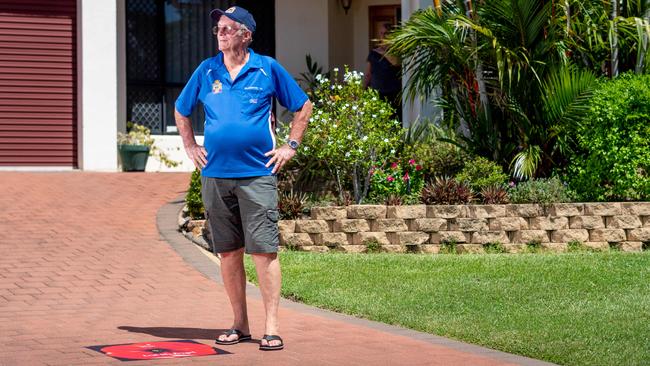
239,162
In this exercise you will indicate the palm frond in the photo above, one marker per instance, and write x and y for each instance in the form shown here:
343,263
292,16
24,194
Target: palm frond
525,163
565,93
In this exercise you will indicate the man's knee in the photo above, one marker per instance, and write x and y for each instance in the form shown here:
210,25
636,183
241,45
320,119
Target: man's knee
233,254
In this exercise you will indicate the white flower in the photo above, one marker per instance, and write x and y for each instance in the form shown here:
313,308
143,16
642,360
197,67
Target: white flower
311,119
374,116
392,151
374,98
320,112
340,87
347,154
349,137
335,125
354,107
333,86
336,69
365,138
306,148
386,140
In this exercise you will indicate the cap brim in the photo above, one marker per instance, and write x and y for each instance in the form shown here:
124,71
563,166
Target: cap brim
216,14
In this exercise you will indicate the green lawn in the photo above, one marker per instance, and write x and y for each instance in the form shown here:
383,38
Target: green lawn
571,309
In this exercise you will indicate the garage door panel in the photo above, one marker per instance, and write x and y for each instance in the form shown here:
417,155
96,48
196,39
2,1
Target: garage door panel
38,124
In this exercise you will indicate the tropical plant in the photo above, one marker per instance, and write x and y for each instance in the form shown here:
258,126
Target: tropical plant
515,75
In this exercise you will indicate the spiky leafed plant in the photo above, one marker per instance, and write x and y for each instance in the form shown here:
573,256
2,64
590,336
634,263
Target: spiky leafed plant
291,204
495,194
394,200
446,191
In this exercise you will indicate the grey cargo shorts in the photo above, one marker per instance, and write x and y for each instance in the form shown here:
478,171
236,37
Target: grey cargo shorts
241,212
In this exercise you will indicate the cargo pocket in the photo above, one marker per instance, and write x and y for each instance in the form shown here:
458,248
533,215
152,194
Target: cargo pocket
272,217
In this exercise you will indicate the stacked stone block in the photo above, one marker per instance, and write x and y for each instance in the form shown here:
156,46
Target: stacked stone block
421,228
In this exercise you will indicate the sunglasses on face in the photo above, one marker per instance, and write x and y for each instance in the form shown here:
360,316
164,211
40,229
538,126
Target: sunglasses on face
224,29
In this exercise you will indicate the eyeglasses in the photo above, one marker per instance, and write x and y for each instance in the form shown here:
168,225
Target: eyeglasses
226,29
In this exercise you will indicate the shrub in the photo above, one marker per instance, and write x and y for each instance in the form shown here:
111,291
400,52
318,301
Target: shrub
193,197
291,205
495,194
543,191
612,161
351,129
437,157
481,173
446,191
401,179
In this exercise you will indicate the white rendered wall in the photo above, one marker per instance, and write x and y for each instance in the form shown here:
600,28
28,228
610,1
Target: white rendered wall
98,84
300,29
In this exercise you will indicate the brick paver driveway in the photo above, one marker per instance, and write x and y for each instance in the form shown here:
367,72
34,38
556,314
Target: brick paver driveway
82,263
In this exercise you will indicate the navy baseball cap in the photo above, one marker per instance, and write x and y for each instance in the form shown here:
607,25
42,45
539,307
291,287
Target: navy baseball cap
236,13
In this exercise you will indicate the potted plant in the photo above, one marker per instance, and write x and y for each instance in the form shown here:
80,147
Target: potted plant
136,146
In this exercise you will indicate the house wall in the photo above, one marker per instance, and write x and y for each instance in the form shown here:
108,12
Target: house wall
301,28
98,85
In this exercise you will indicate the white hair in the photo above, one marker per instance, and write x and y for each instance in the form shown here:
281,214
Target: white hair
243,28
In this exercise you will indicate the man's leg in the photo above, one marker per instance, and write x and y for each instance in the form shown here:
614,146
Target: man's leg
267,266
234,280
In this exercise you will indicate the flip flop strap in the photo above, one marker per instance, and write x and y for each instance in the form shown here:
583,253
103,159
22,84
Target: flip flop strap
230,332
272,338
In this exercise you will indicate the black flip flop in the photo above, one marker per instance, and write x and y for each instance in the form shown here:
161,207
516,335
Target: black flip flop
240,337
270,338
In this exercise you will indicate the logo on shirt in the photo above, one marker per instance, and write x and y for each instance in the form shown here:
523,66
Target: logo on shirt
216,87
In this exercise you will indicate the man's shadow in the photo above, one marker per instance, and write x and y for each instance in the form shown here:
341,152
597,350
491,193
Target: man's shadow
176,333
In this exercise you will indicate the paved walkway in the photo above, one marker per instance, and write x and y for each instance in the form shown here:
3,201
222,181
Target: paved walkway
83,263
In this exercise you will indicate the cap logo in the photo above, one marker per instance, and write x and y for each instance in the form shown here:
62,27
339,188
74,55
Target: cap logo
230,10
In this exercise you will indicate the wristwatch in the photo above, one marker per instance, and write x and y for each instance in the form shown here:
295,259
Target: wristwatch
293,144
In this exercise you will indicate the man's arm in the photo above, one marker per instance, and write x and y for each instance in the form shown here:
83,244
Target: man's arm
195,151
284,153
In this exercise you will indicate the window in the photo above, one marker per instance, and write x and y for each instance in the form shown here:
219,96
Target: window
166,41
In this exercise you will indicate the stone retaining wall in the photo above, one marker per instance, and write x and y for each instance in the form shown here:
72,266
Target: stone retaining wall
421,228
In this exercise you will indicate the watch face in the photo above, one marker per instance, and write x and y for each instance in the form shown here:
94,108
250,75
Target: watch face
293,144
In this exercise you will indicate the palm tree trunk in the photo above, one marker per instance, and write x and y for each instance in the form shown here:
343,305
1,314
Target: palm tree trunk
567,10
614,57
479,65
436,5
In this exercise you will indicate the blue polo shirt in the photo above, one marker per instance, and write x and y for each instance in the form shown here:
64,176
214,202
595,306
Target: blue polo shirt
238,129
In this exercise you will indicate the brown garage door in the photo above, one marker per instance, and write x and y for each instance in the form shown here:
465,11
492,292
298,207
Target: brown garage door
38,117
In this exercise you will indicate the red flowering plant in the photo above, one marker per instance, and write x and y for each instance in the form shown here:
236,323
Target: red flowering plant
403,178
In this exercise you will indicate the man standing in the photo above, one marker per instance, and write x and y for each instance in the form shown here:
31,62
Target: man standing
239,162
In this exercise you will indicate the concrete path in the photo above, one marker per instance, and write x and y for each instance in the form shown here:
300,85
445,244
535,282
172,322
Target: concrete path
83,263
